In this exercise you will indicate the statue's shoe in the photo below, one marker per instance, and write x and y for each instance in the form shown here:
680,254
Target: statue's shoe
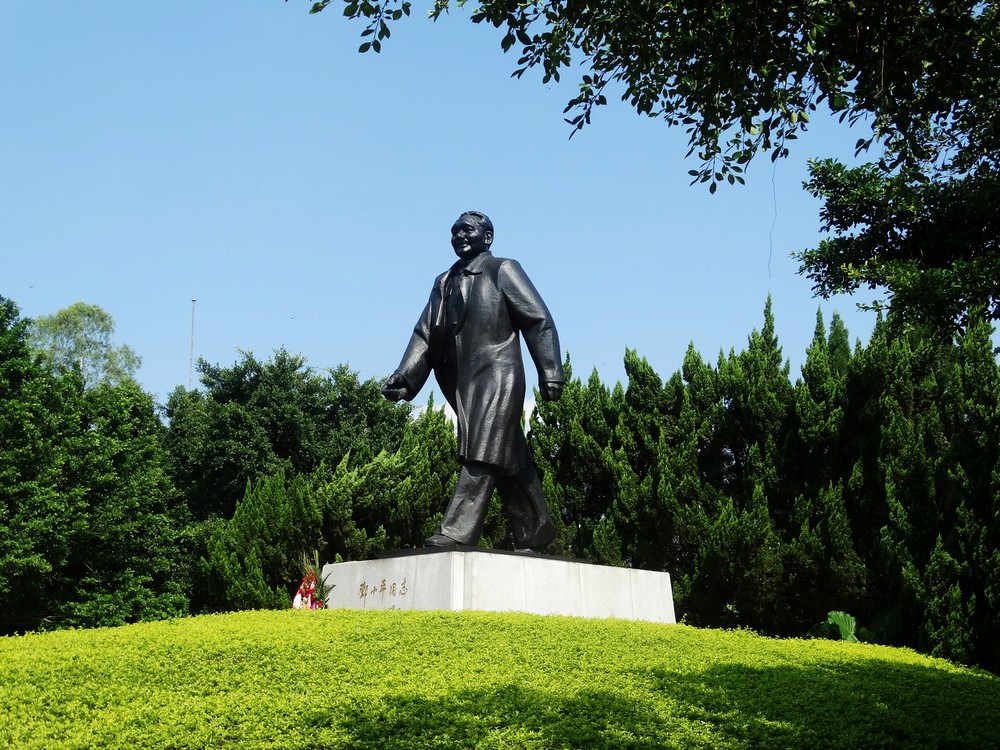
440,540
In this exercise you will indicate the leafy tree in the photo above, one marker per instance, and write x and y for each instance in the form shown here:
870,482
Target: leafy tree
80,337
129,559
745,77
932,244
362,422
39,500
256,418
90,529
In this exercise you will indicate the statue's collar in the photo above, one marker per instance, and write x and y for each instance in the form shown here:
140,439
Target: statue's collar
473,265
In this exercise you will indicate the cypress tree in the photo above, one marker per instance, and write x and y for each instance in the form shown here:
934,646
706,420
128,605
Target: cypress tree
978,527
569,438
759,403
255,558
639,438
688,503
959,619
823,569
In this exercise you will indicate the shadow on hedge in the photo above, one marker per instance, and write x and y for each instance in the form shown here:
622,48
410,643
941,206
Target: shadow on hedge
875,705
870,704
505,716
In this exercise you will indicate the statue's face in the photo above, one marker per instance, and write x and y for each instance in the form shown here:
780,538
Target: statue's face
469,238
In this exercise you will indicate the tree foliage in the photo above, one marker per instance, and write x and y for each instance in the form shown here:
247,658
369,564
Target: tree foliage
80,337
255,558
129,558
921,78
256,418
352,512
743,77
869,485
570,438
38,489
91,529
932,244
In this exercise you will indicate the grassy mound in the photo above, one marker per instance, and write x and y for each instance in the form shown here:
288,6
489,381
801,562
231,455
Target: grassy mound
383,680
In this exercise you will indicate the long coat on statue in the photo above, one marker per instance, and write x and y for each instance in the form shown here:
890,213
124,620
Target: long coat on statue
468,335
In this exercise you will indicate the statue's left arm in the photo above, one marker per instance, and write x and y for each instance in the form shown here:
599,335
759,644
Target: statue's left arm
530,315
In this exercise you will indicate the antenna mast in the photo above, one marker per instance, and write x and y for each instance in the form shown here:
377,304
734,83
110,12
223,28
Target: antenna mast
191,357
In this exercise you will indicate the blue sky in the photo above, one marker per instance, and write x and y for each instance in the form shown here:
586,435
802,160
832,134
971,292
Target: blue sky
245,155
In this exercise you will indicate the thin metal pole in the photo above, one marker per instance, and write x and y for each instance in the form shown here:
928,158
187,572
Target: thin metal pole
191,357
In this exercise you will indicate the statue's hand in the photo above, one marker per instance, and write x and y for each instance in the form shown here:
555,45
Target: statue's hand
395,388
551,391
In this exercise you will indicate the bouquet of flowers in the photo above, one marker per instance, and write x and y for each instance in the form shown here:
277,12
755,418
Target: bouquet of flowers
312,591
305,598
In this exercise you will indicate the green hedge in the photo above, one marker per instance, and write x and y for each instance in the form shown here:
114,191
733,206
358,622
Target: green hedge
383,680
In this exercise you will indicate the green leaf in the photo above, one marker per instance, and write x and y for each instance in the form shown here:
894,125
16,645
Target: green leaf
845,623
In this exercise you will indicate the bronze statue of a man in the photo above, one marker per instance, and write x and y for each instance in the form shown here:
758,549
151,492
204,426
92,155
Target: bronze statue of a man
469,335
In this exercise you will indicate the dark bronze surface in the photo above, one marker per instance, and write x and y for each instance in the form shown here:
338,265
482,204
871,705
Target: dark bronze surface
469,336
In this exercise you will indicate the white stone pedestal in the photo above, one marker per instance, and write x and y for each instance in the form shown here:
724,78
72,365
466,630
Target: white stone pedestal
497,581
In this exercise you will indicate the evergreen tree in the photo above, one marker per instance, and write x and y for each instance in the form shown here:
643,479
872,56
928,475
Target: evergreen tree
822,568
977,530
255,558
865,384
690,504
395,500
909,463
819,416
759,401
958,619
738,567
569,438
644,422
430,440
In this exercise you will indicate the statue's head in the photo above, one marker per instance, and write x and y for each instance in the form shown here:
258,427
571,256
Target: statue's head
471,234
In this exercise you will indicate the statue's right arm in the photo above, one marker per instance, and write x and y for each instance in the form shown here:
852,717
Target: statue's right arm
395,388
415,366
